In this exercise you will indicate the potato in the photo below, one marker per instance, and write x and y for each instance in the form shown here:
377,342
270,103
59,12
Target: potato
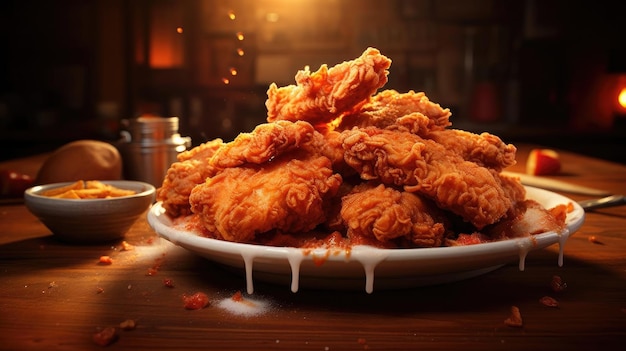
81,159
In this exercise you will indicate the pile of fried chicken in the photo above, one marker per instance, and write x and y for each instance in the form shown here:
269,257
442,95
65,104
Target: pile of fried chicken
339,163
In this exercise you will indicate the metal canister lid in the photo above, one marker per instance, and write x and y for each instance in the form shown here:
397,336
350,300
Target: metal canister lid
152,129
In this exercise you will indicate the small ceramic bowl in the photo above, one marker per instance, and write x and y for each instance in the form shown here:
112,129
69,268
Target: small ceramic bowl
90,220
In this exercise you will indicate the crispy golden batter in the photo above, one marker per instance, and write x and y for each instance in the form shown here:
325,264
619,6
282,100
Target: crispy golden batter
285,194
386,214
410,111
322,96
429,168
484,149
265,142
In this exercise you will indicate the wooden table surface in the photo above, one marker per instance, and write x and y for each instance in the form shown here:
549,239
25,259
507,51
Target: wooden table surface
55,296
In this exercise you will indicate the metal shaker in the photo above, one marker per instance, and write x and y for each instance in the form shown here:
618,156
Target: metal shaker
149,146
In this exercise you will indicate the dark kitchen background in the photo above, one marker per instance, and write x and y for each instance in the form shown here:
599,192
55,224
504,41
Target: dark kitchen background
543,71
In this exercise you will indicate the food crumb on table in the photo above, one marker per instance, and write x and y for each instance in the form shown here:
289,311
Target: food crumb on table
549,301
195,301
126,246
105,260
105,336
594,240
557,284
128,324
515,319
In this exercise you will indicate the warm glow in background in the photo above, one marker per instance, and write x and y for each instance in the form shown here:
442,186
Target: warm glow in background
166,36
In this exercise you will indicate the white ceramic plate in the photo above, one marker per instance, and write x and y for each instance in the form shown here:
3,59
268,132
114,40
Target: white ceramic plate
367,267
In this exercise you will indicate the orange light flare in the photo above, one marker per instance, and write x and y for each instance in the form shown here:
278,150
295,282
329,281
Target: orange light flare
621,98
618,96
179,30
239,35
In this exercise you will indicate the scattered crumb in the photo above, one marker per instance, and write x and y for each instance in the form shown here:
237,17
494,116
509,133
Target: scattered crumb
128,324
99,290
196,301
105,336
594,240
557,284
168,282
105,260
126,246
237,296
515,319
549,301
156,266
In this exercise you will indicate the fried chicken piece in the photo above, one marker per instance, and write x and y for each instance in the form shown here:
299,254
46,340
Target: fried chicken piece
386,214
429,168
322,96
183,175
383,155
389,109
265,142
485,149
285,194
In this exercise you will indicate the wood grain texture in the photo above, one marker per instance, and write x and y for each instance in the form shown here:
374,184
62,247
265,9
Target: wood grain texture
54,296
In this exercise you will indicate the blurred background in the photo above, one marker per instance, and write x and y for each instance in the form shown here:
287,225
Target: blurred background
541,71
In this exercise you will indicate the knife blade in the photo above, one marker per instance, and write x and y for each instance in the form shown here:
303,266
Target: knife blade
609,201
555,184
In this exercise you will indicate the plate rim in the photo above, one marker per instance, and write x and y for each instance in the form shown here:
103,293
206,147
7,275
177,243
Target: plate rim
212,248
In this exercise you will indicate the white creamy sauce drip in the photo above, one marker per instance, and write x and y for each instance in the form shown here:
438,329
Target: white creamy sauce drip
248,261
372,259
526,245
295,258
563,236
369,262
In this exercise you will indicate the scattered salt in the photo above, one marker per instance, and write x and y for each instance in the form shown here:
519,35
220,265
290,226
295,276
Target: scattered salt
244,306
